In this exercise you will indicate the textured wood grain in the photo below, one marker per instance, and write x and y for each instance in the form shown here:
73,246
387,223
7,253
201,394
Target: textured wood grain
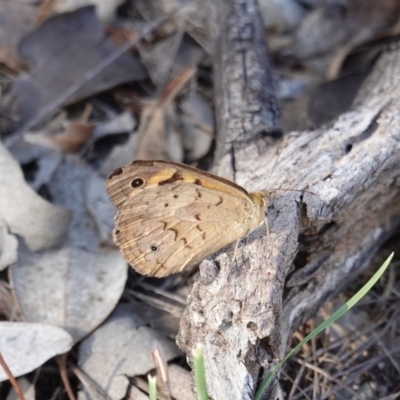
245,102
238,308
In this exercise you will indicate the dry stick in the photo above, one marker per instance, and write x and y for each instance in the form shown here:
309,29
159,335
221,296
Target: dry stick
160,362
89,76
10,376
62,365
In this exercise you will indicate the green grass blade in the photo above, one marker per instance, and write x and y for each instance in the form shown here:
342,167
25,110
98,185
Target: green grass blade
199,373
337,314
152,387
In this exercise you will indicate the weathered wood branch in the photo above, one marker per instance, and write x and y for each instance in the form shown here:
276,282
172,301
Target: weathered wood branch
236,308
245,102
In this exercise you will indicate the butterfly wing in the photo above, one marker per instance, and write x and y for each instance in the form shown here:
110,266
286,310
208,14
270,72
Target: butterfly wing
163,229
159,173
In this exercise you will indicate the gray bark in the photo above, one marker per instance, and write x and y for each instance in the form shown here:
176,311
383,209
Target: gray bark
236,308
244,91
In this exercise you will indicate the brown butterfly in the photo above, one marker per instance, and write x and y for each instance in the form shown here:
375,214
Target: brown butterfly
172,216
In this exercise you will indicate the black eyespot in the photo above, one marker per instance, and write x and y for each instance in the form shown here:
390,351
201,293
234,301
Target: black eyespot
137,182
166,205
117,231
175,196
153,248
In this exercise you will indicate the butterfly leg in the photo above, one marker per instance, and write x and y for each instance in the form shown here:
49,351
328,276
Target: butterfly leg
235,251
269,234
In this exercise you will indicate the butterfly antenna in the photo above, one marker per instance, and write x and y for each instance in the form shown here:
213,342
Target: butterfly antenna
276,160
294,190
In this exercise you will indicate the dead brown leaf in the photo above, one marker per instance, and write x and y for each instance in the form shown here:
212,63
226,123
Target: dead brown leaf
77,133
62,51
153,131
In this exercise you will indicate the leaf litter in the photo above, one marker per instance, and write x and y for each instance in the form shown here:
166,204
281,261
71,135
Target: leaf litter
69,284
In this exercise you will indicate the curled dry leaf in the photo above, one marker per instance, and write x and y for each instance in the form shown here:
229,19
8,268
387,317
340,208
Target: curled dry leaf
156,125
69,287
40,223
119,349
26,346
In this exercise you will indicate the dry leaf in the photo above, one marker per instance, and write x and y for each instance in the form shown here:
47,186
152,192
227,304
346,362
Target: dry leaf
74,137
186,53
119,349
119,156
73,186
8,247
40,223
100,209
45,161
329,32
105,10
281,15
198,126
69,287
62,50
17,19
151,135
77,134
121,123
155,121
8,305
26,346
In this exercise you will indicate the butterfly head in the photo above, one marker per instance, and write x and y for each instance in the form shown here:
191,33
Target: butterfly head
260,199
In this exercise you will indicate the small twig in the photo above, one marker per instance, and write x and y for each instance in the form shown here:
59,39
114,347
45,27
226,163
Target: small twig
62,365
89,76
162,372
10,376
